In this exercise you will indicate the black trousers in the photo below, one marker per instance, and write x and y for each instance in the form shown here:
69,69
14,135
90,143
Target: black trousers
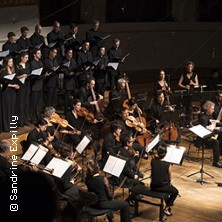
51,96
168,189
215,145
36,105
116,205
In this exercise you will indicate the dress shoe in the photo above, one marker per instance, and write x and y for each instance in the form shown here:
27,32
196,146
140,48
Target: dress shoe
217,164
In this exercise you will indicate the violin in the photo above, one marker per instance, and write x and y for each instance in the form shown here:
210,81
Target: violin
63,122
85,113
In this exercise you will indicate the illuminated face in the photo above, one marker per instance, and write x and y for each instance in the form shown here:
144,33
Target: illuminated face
102,51
53,53
210,110
77,107
86,46
190,68
25,58
162,75
42,127
25,34
38,54
160,98
10,63
125,114
118,131
96,26
12,39
91,84
116,44
56,27
69,54
38,29
219,97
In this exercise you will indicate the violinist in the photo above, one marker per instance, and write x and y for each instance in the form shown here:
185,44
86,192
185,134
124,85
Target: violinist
121,119
81,125
111,141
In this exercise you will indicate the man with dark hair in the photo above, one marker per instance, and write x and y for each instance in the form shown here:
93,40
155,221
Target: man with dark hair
11,43
24,42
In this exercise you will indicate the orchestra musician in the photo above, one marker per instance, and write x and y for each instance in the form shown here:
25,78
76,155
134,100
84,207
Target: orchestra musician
207,121
100,186
161,84
111,142
188,80
218,104
161,177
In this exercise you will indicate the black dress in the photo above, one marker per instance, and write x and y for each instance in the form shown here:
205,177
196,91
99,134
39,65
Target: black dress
8,103
22,102
160,180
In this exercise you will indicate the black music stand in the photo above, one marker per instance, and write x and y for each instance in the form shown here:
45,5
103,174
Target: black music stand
198,132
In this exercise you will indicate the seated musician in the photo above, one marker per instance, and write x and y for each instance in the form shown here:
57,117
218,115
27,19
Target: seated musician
111,142
117,96
100,186
35,134
218,104
161,178
206,120
188,80
158,107
121,119
81,125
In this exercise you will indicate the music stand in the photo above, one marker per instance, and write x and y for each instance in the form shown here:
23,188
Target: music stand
203,133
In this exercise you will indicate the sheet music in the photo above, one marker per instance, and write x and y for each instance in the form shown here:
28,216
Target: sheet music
125,57
30,152
96,62
200,131
59,166
39,46
83,143
113,64
37,71
67,64
153,143
114,165
10,77
39,155
4,53
22,80
50,45
174,154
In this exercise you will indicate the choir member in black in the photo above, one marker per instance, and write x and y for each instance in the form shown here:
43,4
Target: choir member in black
84,59
36,38
114,55
207,121
161,84
94,37
100,70
70,81
76,42
8,93
24,42
100,186
188,80
57,36
10,44
161,178
111,142
22,100
51,81
1,87
218,104
34,135
36,87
